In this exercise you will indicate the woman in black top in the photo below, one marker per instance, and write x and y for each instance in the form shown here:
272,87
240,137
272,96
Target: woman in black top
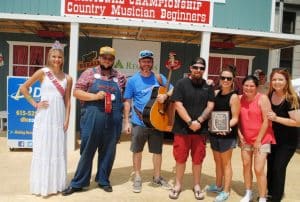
285,117
222,143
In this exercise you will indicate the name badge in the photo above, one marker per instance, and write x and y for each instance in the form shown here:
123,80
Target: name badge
115,79
97,76
113,97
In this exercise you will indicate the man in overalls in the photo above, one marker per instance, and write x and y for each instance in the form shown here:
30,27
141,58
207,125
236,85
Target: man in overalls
100,91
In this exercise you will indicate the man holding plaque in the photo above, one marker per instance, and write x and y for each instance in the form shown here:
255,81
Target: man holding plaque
100,91
194,101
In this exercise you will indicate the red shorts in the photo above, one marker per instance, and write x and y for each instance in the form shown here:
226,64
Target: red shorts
183,143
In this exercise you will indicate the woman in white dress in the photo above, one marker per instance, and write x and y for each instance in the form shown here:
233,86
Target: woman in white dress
49,158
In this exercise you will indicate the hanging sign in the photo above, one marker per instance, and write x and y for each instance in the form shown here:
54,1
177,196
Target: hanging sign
183,11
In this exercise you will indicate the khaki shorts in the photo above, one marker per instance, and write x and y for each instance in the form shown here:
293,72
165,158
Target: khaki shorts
265,148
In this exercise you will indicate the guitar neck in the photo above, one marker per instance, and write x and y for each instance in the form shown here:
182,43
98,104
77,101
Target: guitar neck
168,81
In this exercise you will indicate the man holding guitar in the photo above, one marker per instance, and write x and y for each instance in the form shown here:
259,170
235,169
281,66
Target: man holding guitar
137,94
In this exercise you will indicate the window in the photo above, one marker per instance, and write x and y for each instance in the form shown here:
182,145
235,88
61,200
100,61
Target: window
243,66
27,57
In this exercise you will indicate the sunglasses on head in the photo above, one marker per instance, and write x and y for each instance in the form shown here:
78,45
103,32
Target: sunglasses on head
223,78
198,68
146,54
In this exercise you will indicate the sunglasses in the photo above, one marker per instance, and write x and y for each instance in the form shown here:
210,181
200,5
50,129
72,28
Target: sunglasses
145,54
198,68
108,58
223,78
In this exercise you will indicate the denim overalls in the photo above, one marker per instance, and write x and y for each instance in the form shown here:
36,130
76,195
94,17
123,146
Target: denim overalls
99,130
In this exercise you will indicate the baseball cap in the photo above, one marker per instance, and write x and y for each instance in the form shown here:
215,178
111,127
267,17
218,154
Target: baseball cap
146,54
198,60
106,50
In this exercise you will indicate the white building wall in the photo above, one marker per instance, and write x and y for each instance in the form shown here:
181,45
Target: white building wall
296,58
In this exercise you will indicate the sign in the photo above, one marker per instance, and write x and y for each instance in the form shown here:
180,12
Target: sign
127,56
21,114
183,11
88,60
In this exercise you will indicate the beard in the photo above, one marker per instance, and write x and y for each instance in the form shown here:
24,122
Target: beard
197,81
103,68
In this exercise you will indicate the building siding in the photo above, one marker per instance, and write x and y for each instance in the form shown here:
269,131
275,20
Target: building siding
238,14
34,7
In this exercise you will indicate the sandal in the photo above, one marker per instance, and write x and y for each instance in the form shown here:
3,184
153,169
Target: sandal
199,195
174,194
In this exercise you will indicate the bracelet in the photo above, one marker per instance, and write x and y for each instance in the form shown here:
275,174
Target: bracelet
198,121
189,122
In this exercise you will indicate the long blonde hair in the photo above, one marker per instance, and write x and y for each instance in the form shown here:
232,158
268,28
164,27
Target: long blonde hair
290,93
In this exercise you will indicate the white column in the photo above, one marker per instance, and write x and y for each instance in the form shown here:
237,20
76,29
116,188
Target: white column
204,52
274,55
73,57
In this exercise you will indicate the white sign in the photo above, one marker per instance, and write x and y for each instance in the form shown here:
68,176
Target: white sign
127,54
296,84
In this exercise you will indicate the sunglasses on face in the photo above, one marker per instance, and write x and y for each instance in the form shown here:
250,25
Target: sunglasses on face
223,78
108,58
198,68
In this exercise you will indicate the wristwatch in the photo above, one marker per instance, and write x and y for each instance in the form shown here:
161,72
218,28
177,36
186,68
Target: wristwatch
189,122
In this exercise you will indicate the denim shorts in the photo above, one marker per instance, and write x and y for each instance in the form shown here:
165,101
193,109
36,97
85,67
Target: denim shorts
221,144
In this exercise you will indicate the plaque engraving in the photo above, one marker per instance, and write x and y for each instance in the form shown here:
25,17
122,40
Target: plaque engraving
219,121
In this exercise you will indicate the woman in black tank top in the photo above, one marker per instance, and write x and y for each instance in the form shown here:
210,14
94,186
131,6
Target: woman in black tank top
222,143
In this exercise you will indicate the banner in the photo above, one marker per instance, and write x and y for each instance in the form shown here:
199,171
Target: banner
20,114
182,11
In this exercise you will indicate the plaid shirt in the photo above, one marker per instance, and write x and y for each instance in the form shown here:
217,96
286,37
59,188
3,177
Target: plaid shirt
86,79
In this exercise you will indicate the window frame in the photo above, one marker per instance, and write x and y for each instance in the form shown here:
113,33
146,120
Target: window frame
28,44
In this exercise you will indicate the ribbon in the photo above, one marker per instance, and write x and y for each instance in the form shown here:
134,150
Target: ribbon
108,103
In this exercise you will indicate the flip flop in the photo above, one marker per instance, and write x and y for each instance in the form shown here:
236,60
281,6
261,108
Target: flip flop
199,195
174,194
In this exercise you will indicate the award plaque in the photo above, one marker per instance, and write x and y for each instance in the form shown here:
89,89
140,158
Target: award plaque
220,121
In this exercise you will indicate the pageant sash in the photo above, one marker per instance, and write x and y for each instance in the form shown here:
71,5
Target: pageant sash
52,78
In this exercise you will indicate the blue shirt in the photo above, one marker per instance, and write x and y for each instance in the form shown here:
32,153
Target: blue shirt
139,89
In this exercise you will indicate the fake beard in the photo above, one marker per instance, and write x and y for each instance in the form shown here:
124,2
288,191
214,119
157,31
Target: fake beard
197,82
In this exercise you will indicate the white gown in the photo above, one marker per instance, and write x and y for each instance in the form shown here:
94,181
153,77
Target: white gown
49,157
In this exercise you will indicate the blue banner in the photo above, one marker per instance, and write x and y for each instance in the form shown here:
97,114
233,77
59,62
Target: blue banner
20,113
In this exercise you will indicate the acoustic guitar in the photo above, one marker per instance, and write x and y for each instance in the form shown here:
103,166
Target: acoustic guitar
161,115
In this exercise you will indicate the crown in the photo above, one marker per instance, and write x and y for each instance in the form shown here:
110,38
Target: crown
57,45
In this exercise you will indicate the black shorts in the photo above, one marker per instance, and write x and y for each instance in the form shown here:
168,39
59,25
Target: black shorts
222,144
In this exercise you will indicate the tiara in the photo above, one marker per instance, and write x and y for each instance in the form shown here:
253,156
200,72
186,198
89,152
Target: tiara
58,46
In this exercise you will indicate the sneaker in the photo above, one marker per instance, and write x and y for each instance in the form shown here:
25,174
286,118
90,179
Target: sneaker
214,188
247,198
161,182
223,196
137,185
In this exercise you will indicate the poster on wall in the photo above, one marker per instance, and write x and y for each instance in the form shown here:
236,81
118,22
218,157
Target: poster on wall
127,54
20,114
